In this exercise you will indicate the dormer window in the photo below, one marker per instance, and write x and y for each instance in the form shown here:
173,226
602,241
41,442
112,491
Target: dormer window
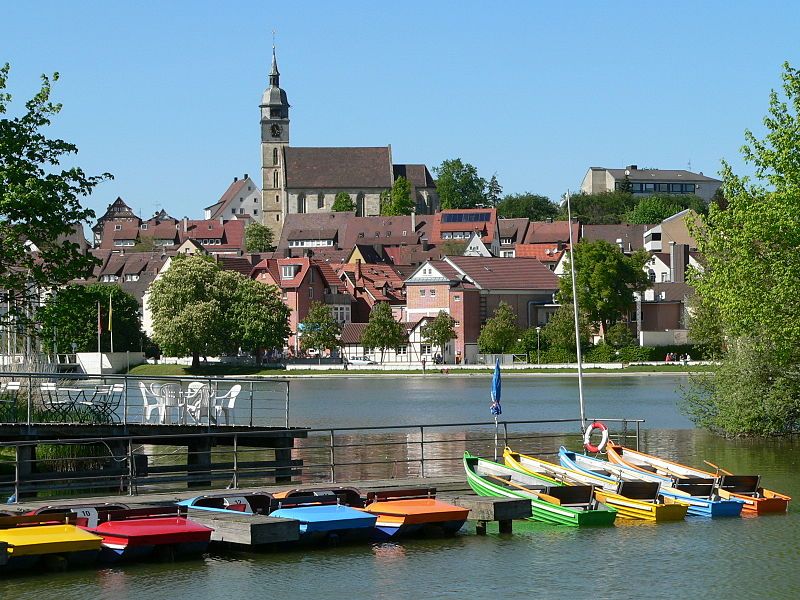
117,227
144,226
288,271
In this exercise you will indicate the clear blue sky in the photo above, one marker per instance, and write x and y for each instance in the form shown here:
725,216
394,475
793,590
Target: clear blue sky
165,95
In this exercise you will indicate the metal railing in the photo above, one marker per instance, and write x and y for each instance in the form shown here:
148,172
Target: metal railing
76,398
143,464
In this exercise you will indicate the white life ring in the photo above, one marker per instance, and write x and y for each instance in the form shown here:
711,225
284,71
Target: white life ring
587,437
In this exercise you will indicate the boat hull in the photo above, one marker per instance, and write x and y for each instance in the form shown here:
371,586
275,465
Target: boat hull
541,510
330,523
65,544
416,516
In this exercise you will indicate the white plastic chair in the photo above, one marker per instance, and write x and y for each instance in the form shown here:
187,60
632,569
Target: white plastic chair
152,402
197,395
225,404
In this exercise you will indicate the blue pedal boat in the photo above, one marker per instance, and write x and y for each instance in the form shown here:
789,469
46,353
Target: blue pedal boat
321,515
701,498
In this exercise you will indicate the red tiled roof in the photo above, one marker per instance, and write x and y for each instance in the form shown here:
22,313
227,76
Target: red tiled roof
506,273
556,231
128,230
328,274
543,252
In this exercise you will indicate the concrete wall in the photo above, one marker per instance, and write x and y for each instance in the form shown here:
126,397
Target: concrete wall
675,337
112,362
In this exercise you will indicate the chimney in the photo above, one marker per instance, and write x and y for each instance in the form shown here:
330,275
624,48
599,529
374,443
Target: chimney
185,224
222,220
632,167
358,269
245,176
413,221
235,179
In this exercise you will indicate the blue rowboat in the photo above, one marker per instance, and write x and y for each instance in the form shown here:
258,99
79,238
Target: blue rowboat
702,499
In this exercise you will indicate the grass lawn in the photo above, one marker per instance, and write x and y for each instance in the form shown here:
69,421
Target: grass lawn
221,370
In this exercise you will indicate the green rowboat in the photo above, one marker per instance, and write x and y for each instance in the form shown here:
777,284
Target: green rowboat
551,502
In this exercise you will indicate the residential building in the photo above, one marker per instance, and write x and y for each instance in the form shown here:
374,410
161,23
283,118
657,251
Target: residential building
650,181
117,211
242,200
306,180
547,242
672,230
369,284
458,225
512,232
471,288
629,238
303,281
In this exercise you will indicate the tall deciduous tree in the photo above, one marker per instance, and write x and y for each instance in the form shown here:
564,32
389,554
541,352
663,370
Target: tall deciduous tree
398,201
383,331
603,208
320,330
606,280
258,238
526,206
343,203
751,280
459,185
39,202
199,309
560,330
70,316
439,331
500,333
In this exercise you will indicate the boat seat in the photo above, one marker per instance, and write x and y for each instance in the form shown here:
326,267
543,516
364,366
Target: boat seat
639,490
740,484
701,490
693,480
571,495
379,496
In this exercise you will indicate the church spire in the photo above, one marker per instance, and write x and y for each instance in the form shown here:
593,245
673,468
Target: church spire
274,74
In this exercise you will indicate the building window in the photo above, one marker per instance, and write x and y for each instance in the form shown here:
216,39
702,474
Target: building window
402,350
310,293
360,204
425,349
277,217
274,156
688,188
447,235
288,271
275,179
676,187
652,275
320,200
649,188
301,203
277,198
456,298
144,226
255,211
117,227
233,211
664,277
285,297
433,293
405,233
241,211
421,292
457,324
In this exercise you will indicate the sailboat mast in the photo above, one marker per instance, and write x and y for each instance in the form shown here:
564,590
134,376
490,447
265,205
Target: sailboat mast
575,314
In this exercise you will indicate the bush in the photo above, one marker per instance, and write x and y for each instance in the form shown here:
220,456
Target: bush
557,356
602,353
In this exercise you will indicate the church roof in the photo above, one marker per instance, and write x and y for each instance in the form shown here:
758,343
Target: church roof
339,168
418,175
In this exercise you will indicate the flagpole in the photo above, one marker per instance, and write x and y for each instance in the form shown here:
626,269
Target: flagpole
99,327
575,310
110,328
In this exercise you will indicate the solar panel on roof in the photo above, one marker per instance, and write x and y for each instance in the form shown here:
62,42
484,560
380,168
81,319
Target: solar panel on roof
466,217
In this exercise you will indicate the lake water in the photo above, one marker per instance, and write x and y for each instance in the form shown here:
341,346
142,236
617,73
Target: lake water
729,558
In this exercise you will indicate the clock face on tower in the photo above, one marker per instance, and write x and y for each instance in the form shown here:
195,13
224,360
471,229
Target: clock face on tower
275,130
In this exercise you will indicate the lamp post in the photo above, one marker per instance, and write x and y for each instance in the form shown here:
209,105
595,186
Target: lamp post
538,330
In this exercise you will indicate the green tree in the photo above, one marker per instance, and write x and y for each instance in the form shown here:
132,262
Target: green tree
705,327
499,334
398,201
657,207
493,190
453,247
598,209
343,203
620,335
560,330
439,331
320,329
258,238
70,315
198,309
527,206
751,279
459,185
607,280
383,331
39,202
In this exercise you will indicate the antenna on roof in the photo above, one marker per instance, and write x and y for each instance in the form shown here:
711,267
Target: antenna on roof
689,165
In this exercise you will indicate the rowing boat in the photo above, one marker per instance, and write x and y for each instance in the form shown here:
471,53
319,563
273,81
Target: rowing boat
633,499
701,499
26,541
136,533
551,502
321,516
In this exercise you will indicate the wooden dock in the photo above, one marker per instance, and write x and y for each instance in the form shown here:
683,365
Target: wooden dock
259,530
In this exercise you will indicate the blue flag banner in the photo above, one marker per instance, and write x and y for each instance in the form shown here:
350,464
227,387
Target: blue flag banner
496,389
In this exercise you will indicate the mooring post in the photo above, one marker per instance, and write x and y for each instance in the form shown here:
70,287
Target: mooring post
283,459
505,526
23,468
480,528
198,462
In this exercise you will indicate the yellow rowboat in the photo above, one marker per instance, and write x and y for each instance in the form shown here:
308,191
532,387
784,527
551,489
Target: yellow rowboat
633,500
27,539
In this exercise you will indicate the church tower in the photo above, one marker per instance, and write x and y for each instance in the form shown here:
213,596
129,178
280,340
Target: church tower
274,138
